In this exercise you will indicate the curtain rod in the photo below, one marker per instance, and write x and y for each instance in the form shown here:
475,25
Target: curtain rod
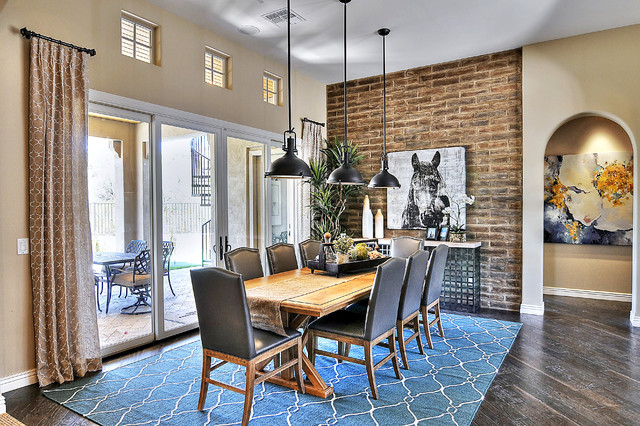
28,34
314,122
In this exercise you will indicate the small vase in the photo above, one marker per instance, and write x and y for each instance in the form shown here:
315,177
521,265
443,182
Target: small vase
342,258
458,237
379,225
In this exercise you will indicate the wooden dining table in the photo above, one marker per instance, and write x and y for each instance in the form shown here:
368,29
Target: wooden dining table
298,311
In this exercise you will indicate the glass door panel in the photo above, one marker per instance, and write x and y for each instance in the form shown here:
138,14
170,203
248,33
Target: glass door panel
119,207
246,187
188,219
282,218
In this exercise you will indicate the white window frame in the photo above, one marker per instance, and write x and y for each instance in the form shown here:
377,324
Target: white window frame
215,53
278,87
143,23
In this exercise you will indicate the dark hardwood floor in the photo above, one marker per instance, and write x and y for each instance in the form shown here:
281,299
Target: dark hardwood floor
577,365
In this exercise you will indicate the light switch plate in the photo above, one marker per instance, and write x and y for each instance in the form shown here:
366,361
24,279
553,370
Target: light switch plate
23,246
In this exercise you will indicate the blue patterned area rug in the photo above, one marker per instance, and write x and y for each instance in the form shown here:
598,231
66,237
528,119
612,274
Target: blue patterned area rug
445,386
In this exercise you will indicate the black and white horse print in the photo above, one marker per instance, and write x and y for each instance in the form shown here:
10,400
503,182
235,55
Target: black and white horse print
426,200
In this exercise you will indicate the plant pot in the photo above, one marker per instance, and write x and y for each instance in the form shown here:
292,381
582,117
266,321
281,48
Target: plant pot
458,237
342,258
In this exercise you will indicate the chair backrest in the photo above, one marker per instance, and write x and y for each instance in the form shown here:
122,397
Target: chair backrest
244,261
405,246
385,295
435,274
136,246
413,285
309,249
142,263
167,251
223,314
281,257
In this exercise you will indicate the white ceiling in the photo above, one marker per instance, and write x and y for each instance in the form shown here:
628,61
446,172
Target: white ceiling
423,32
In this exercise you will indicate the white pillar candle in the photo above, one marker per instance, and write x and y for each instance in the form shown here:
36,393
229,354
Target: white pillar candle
379,224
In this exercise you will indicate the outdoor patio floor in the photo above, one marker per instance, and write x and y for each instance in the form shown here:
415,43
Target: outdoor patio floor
116,328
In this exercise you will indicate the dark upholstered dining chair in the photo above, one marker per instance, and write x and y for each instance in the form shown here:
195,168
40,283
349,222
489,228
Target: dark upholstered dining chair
281,257
227,335
405,246
167,251
432,289
409,306
367,330
244,261
309,249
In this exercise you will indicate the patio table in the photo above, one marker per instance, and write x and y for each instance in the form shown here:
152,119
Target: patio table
107,260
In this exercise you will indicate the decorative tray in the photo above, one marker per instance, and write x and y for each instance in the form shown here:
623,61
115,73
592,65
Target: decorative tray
321,264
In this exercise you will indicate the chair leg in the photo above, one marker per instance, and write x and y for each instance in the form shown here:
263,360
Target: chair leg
341,350
401,344
312,344
97,281
437,312
368,361
204,385
248,393
425,324
416,328
347,349
170,286
392,350
298,371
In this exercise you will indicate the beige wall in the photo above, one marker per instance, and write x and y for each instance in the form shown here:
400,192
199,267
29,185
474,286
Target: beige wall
563,79
585,266
178,83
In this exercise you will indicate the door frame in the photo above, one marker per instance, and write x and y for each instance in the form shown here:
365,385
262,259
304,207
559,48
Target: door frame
222,130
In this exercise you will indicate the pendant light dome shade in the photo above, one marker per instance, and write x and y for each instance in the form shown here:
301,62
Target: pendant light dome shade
384,179
289,166
345,174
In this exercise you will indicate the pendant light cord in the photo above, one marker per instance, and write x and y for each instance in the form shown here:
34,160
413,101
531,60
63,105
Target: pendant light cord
345,77
384,97
289,59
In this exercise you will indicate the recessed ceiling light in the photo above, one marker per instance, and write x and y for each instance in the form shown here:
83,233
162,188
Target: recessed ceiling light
249,30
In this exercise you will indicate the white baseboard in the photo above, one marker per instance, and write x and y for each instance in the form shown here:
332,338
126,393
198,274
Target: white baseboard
635,320
17,381
3,405
587,294
532,309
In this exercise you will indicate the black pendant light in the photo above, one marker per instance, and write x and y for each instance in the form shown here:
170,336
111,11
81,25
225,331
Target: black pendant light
345,174
384,179
289,166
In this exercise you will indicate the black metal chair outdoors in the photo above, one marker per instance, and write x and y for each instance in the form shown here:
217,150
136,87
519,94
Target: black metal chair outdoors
281,257
227,334
136,246
244,261
367,330
167,251
405,246
432,290
309,249
138,280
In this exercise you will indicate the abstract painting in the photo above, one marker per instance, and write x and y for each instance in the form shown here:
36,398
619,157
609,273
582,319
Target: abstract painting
588,198
428,179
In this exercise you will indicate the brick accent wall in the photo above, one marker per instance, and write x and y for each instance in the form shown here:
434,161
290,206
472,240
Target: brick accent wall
475,103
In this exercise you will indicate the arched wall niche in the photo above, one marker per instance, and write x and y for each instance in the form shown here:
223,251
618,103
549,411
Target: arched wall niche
601,271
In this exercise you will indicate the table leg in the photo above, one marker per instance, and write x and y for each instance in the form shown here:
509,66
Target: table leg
314,384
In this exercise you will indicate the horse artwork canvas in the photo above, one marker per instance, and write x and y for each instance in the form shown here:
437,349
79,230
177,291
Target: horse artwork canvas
428,179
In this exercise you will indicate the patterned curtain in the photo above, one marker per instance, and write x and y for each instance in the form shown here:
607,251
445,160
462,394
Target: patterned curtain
64,305
312,143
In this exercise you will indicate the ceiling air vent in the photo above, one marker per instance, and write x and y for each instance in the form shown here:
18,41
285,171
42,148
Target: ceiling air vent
279,17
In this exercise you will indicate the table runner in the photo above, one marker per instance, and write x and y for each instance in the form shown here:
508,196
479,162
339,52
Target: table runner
264,300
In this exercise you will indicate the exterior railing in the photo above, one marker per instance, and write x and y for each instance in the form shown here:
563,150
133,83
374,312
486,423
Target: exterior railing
178,218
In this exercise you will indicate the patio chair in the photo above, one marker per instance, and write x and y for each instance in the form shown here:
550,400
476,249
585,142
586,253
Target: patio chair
309,249
367,330
167,251
244,261
227,334
432,289
134,246
138,280
405,246
281,257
